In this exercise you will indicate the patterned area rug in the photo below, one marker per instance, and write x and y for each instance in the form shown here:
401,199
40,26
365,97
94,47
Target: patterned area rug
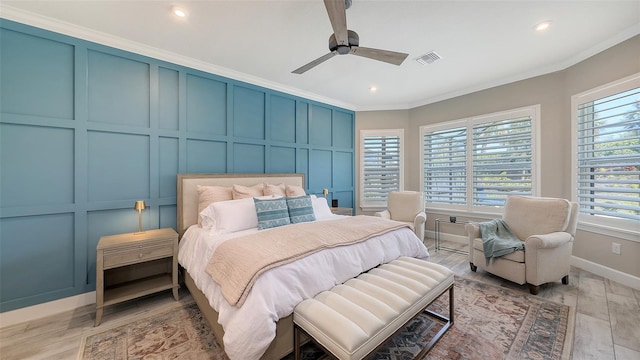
491,323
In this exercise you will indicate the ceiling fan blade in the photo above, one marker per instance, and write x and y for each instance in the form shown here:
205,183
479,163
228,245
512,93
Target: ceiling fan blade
387,56
338,17
314,63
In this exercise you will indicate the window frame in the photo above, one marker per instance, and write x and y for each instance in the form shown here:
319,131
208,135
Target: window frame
377,206
533,111
621,228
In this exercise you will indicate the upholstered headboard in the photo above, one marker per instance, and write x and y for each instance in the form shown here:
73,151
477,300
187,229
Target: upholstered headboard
188,194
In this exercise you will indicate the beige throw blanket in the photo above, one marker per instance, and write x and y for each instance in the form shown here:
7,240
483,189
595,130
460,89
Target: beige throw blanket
237,263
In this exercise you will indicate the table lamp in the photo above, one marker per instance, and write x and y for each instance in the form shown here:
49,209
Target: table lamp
139,205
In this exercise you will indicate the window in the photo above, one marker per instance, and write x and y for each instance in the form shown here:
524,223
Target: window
475,163
502,160
445,166
381,169
606,178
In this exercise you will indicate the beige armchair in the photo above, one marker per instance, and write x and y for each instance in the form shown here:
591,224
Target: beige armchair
547,227
406,206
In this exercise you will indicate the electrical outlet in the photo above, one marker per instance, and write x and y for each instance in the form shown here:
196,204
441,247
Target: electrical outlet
615,248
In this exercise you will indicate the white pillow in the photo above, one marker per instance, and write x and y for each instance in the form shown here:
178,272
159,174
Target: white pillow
321,208
210,194
231,216
243,192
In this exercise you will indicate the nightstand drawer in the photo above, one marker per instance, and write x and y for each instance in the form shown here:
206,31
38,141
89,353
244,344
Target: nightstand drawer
138,253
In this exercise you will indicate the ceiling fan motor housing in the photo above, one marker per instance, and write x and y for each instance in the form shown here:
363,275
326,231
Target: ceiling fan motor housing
353,38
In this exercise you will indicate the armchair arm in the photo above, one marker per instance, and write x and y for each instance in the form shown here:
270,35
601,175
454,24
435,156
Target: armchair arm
547,241
547,257
383,214
418,224
473,231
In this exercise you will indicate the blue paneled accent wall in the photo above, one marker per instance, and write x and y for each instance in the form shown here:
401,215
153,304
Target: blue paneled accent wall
86,130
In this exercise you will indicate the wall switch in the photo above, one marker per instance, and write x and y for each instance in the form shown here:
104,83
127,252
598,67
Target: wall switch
615,248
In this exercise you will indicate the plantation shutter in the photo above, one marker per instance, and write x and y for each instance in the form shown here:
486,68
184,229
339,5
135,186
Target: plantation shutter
502,160
445,166
382,166
609,156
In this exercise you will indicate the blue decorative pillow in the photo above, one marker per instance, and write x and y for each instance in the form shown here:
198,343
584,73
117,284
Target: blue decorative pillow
300,209
272,213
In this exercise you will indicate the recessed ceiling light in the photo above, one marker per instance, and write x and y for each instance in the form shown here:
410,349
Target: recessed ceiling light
541,26
178,11
373,88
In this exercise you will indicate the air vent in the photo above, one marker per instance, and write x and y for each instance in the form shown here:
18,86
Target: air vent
428,58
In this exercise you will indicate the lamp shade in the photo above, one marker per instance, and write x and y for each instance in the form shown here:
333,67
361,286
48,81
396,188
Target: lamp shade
140,205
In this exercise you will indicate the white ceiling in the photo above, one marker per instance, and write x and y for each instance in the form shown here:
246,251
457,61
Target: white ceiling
482,43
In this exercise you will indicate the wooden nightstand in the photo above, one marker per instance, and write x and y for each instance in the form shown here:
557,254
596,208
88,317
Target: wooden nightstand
342,211
133,265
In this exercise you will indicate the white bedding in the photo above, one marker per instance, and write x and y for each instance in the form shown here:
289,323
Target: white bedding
250,329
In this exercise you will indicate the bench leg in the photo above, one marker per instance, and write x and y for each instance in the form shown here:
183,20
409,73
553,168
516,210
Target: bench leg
451,307
447,325
296,343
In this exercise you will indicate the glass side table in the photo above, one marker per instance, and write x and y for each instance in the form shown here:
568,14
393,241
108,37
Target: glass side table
437,228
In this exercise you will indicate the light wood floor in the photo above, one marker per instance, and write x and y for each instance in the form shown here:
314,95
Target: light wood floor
607,316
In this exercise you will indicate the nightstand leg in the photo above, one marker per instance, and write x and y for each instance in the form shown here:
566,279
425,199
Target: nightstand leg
99,285
98,316
174,272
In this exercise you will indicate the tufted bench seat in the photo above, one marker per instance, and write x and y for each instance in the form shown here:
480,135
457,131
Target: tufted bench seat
353,319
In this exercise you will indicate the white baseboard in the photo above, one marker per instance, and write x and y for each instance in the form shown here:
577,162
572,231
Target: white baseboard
30,313
607,272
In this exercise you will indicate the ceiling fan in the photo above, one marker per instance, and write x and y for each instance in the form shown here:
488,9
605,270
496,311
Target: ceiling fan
344,41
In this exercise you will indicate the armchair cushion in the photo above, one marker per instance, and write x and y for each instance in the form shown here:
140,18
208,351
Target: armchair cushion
528,216
498,240
517,256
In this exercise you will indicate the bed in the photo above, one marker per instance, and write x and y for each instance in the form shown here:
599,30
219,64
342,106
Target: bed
278,336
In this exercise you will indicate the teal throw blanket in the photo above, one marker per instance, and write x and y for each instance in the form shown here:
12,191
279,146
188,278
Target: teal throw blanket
498,240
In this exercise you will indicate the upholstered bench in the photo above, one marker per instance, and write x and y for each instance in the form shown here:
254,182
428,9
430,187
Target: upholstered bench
353,319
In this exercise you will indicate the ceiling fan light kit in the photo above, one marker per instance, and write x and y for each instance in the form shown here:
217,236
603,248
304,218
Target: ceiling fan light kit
344,41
